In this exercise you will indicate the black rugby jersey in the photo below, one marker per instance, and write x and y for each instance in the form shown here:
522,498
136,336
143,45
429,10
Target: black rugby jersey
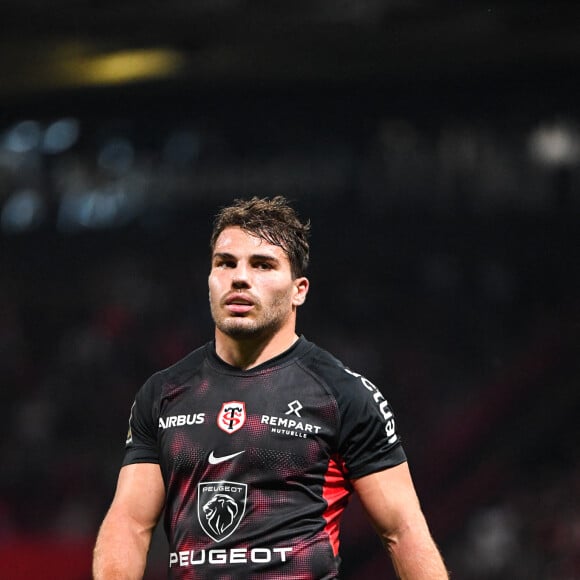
257,463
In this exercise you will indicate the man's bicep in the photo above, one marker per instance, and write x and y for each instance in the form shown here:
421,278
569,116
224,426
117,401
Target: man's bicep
391,502
140,493
389,499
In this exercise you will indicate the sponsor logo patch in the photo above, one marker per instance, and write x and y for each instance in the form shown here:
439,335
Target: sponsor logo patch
294,408
220,507
129,439
181,420
289,426
382,404
214,460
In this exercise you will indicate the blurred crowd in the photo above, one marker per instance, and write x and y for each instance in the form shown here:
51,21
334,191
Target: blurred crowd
466,317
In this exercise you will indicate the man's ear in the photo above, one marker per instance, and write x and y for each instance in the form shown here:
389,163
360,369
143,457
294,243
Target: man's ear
301,286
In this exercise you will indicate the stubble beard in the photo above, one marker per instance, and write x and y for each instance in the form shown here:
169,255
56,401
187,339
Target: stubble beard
267,323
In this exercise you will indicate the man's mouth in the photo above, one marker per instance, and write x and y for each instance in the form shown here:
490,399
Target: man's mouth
238,304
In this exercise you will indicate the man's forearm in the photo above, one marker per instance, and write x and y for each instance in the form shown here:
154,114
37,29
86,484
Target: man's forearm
415,556
120,551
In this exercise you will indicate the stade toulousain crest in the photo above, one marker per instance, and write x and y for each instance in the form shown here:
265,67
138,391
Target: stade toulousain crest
220,507
232,416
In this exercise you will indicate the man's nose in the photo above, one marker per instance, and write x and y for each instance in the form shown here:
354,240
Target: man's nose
240,278
238,284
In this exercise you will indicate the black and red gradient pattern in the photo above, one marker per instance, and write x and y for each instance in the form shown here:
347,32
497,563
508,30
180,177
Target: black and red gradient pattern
293,456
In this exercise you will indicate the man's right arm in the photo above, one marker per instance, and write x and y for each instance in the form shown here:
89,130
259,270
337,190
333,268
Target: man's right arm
125,534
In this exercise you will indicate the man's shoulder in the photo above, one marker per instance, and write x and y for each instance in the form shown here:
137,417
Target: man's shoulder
180,371
328,368
348,386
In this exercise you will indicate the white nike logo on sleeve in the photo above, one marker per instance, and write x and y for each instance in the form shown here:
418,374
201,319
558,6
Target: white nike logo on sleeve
215,460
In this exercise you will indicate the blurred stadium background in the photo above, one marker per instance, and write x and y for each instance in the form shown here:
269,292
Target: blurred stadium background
436,147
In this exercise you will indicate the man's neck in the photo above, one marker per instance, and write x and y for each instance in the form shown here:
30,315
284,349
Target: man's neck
252,352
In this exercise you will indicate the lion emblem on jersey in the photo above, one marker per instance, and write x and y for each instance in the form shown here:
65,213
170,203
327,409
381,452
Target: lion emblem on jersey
220,513
220,507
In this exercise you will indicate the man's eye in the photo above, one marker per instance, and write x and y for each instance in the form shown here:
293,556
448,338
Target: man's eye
264,266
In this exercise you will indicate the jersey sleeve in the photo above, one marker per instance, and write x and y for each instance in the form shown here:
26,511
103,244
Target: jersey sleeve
141,445
368,439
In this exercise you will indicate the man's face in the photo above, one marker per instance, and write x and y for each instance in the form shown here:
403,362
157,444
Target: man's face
251,290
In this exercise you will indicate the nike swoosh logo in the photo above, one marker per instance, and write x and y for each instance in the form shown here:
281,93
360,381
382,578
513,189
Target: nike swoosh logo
215,460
